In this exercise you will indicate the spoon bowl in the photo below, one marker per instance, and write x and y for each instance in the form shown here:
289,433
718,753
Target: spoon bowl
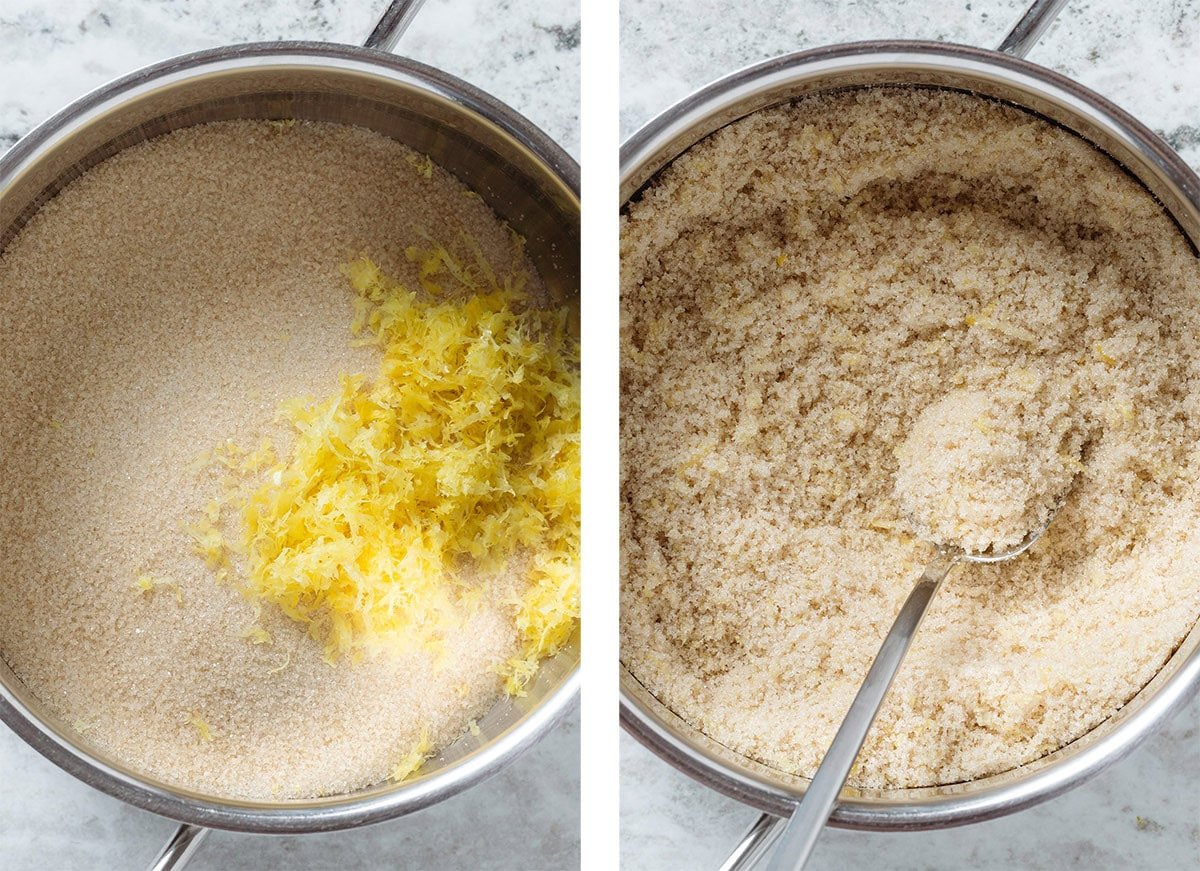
991,555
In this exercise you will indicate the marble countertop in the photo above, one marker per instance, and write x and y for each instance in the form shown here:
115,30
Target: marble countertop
1142,814
526,817
1143,56
526,53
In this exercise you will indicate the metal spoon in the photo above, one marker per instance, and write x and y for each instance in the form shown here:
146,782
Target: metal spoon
802,831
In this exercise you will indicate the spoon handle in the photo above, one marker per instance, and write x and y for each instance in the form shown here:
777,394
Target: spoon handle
810,816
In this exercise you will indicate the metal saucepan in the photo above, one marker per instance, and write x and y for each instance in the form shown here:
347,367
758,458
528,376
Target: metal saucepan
1001,75
520,172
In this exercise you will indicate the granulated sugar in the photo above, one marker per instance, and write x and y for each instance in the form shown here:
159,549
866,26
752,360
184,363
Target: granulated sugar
982,470
163,303
796,290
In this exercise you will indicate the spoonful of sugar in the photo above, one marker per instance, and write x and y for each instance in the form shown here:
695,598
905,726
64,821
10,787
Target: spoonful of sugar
980,470
981,476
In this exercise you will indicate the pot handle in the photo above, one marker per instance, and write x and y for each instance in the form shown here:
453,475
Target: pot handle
1029,29
392,24
180,849
759,838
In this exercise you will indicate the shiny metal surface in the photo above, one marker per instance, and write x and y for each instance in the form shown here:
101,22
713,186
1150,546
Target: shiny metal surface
1025,34
178,851
1064,102
802,830
757,840
393,23
516,168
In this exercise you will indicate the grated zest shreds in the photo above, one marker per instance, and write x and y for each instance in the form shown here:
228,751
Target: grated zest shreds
465,446
412,761
202,728
147,583
257,635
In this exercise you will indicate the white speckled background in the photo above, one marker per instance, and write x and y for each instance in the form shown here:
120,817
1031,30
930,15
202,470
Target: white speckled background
526,53
1144,813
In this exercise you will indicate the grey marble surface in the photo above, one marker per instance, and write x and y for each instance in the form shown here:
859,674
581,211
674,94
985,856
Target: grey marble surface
526,53
526,818
1143,55
1141,815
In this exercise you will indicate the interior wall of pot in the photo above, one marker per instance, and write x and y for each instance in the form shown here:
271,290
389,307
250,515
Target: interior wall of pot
752,91
512,180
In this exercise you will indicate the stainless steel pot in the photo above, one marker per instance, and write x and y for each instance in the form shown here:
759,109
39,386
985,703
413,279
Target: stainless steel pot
523,175
1001,75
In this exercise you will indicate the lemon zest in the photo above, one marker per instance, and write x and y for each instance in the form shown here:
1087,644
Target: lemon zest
202,728
257,635
464,447
287,660
1104,358
422,163
148,583
411,761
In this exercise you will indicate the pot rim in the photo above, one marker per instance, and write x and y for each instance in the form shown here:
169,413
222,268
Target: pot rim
656,137
722,102
266,54
334,812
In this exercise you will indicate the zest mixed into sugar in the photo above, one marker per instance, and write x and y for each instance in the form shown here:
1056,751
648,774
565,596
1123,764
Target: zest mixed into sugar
167,303
797,289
